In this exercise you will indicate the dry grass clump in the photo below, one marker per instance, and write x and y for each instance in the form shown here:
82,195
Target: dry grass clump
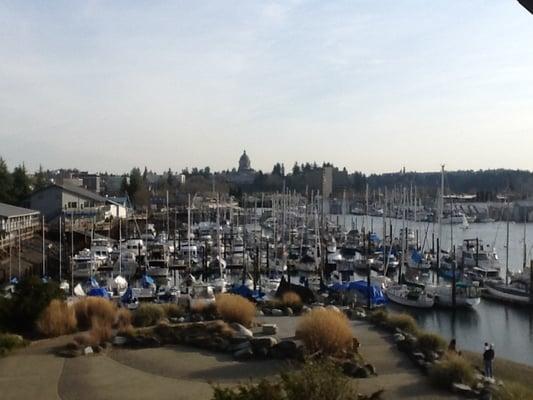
9,342
513,391
404,322
123,321
204,308
431,342
452,368
148,314
89,309
292,300
235,308
325,331
172,310
57,319
380,316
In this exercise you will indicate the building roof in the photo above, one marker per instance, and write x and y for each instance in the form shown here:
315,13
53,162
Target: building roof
9,211
76,190
82,192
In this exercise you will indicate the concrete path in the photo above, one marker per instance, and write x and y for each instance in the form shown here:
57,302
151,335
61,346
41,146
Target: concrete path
396,373
184,373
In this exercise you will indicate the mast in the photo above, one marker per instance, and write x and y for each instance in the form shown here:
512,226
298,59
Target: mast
44,251
60,252
189,232
507,249
441,204
525,246
120,246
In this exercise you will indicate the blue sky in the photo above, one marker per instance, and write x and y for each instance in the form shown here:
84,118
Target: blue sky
370,85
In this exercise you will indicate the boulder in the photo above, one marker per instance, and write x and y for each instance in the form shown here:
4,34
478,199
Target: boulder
120,340
305,309
276,312
98,349
263,345
239,346
350,368
462,389
398,337
270,329
244,354
241,330
259,313
87,351
371,369
292,349
289,312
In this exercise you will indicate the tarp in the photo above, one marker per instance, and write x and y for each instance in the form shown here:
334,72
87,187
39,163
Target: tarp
246,292
148,281
416,257
120,283
14,280
376,295
78,291
98,292
128,296
93,283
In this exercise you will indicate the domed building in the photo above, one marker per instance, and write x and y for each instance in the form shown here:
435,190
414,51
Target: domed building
244,163
245,175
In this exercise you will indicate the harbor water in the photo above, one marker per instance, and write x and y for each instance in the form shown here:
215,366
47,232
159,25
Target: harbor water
510,328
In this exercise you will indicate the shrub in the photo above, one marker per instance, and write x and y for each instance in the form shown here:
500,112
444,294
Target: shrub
9,342
235,308
172,310
123,321
90,309
513,391
148,314
207,309
100,332
31,297
327,331
379,317
452,368
57,319
315,381
292,300
404,322
430,342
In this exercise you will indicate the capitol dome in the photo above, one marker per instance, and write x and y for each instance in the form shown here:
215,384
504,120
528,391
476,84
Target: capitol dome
244,162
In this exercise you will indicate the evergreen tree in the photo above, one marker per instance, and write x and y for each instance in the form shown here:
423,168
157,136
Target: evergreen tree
40,180
21,184
6,183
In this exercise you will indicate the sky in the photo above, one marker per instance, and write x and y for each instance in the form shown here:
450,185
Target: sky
370,85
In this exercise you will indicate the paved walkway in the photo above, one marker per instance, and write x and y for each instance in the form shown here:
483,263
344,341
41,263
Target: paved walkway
183,373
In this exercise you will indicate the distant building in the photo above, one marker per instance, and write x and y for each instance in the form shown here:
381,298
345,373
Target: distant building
56,200
15,222
245,174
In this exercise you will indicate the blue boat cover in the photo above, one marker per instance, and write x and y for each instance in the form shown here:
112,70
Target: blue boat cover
98,292
127,297
376,295
246,292
148,281
416,257
93,283
374,238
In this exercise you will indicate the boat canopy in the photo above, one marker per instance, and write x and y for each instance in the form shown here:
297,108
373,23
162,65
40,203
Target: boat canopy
98,292
376,295
246,292
416,256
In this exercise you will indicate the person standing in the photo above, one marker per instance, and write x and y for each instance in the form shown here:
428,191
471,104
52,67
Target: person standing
488,358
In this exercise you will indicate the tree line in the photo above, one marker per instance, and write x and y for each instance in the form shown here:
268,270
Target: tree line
17,185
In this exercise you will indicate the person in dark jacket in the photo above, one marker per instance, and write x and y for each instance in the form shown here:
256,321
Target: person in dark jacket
488,357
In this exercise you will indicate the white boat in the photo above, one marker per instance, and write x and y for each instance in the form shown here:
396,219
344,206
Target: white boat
410,295
466,295
472,250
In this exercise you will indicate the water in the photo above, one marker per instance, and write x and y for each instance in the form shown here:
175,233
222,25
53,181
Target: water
510,328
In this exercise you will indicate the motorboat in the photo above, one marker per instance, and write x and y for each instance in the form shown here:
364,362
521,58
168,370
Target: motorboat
467,295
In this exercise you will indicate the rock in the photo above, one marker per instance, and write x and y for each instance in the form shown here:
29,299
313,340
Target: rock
263,342
244,354
70,352
289,312
241,330
259,313
371,369
270,329
87,350
350,368
239,346
181,320
120,340
98,349
398,337
463,389
305,309
276,312
360,314
292,349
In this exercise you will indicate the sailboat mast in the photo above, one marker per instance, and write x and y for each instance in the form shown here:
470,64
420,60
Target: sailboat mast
507,249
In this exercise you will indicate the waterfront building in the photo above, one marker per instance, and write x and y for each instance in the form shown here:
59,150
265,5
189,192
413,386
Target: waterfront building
17,222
